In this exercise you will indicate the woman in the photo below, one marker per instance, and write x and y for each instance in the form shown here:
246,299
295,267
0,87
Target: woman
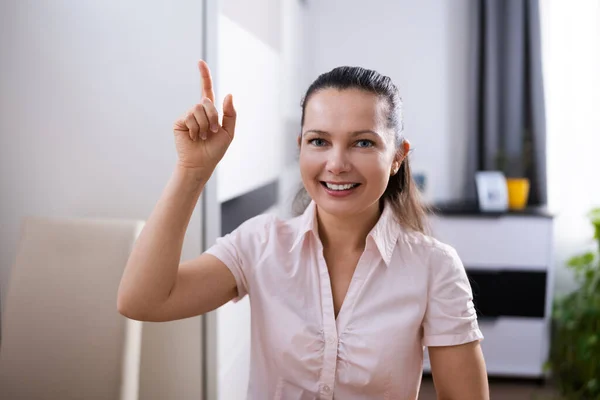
344,296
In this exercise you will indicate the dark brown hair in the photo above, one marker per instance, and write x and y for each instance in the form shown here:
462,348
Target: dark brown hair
401,192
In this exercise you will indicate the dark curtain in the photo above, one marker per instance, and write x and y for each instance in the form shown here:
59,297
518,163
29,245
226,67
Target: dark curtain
507,130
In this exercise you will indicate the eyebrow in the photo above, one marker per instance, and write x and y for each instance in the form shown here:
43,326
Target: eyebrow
355,133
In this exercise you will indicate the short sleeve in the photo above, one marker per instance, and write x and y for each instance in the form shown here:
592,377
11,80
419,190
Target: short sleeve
450,318
241,249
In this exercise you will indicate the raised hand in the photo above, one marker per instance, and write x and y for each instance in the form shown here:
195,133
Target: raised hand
200,140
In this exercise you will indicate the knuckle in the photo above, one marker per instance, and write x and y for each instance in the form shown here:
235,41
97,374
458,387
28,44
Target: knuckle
202,122
199,116
211,111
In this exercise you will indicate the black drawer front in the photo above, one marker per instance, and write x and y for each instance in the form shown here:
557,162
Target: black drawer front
512,293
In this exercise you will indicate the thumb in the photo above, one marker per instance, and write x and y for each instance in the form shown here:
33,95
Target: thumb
229,115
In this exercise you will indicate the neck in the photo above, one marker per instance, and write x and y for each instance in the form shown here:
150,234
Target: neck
347,232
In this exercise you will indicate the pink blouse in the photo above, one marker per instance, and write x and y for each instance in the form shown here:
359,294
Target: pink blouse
408,291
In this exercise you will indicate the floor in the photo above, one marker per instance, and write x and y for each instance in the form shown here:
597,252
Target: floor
501,390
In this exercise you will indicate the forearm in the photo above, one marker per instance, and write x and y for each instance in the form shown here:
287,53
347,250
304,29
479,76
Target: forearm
151,270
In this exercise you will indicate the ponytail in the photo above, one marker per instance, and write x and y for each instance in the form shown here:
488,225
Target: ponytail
404,197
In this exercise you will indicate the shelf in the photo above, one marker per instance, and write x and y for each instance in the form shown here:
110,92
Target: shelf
472,210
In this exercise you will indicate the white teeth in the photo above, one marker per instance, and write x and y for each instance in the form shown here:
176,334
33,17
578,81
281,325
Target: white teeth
340,187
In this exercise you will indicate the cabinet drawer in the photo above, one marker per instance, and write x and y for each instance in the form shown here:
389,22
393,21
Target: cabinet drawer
506,242
508,293
511,347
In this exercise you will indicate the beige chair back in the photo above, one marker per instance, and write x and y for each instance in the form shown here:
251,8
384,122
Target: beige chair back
62,336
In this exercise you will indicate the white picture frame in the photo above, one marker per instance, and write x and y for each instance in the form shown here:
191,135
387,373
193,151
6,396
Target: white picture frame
492,192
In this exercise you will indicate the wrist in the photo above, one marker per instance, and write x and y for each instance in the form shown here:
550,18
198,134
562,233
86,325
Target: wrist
194,174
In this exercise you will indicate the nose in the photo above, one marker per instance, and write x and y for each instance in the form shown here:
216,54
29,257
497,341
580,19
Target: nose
338,162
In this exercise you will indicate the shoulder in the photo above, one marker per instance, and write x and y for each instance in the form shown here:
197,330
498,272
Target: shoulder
269,228
441,265
429,250
259,224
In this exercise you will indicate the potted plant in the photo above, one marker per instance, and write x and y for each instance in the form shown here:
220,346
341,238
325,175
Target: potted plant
575,346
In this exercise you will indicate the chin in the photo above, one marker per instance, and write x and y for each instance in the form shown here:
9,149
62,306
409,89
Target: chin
337,210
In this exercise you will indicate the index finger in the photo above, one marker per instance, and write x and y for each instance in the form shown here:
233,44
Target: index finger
206,84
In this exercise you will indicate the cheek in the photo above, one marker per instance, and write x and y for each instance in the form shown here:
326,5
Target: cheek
373,167
377,175
310,163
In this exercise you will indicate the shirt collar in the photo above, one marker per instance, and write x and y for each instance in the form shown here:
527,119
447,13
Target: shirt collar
307,223
384,234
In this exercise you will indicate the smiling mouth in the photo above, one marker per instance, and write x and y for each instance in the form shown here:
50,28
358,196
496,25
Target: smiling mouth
339,187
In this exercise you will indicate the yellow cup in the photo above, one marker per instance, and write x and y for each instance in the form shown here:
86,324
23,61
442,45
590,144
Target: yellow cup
518,193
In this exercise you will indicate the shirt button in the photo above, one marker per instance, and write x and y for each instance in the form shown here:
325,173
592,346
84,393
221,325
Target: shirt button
331,340
326,389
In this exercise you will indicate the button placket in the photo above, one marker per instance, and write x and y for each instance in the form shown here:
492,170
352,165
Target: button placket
358,280
326,392
327,378
329,363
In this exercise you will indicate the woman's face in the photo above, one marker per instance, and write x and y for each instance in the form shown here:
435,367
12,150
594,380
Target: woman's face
346,151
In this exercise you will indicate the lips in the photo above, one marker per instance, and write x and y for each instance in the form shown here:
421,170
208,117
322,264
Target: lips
340,186
340,189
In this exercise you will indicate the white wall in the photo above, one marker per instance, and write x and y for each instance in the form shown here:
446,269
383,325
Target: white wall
250,69
88,93
571,60
422,46
297,69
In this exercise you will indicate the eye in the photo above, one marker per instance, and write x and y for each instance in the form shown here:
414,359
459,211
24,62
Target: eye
317,142
365,143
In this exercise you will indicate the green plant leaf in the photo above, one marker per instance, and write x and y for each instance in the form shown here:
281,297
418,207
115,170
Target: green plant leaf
581,260
592,340
594,215
547,366
575,351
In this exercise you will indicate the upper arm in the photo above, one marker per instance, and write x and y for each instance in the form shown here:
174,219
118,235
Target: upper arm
202,285
459,372
219,275
450,317
451,331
